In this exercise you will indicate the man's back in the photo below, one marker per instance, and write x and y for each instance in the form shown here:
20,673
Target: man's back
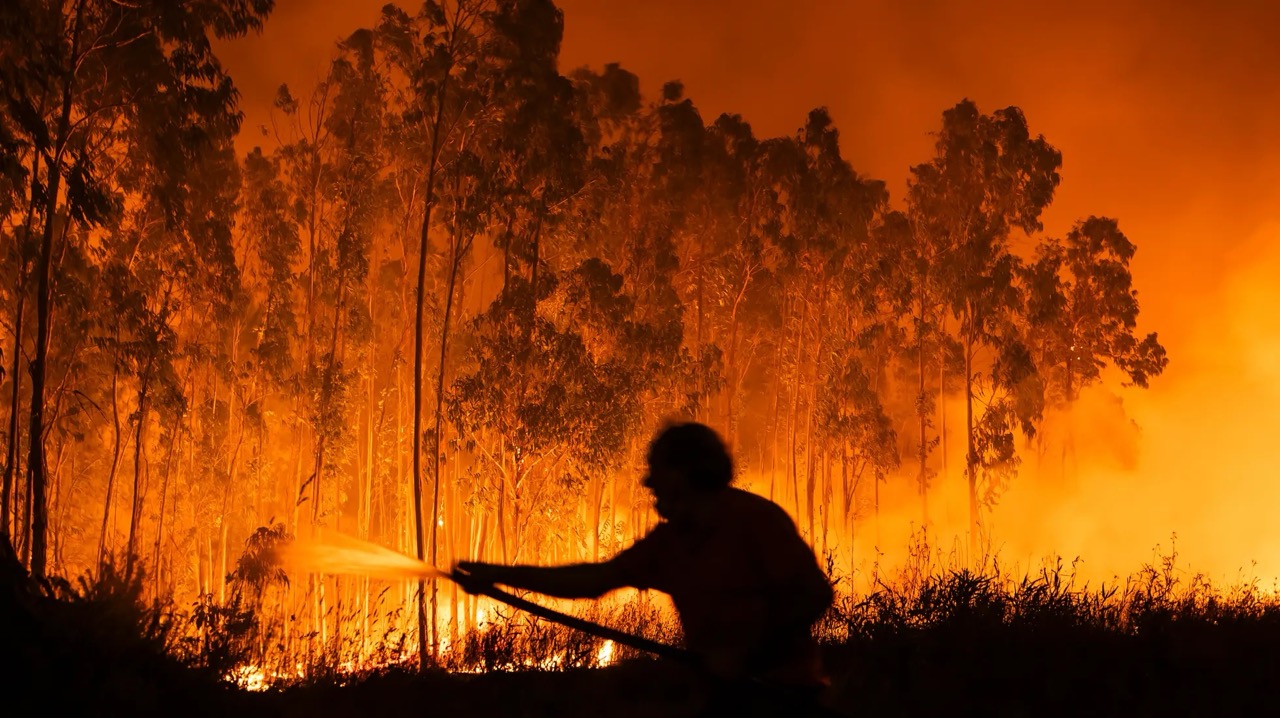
744,582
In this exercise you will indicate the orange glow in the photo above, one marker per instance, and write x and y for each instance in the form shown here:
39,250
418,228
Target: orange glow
1166,120
1160,123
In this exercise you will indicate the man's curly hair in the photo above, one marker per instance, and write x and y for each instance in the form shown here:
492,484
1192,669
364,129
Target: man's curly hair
695,448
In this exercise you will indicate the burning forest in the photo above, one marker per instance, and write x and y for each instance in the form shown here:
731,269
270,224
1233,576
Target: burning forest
269,377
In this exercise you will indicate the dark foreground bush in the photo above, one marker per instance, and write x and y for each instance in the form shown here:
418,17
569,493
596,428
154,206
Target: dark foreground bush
96,647
1158,643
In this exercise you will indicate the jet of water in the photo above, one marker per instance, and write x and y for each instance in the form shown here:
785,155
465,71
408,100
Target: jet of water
336,553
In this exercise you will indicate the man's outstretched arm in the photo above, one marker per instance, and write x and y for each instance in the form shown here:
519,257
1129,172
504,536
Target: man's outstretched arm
581,580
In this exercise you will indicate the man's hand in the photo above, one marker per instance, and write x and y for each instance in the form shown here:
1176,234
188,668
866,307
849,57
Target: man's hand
475,576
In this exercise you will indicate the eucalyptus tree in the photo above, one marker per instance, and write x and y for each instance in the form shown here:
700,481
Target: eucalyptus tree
434,57
143,73
306,160
861,360
630,214
354,200
621,219
745,269
517,167
641,239
163,280
690,179
579,405
1083,310
826,213
988,177
19,182
317,203
852,424
270,222
920,299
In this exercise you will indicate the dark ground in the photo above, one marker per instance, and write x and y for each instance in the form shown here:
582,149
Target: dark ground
1222,671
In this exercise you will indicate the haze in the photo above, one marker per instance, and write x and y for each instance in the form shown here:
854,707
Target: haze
1166,115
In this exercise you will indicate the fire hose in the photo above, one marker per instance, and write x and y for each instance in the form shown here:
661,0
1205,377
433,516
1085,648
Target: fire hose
639,643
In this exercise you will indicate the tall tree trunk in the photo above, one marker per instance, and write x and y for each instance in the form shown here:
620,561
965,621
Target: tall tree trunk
731,376
794,414
700,339
322,445
810,456
418,341
164,494
922,476
501,518
116,452
777,429
454,265
36,460
942,404
1069,442
59,504
25,533
44,310
233,466
875,484
7,505
11,458
850,495
732,372
364,518
971,458
596,497
139,455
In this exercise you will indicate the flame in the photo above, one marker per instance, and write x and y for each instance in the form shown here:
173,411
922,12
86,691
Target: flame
604,656
250,678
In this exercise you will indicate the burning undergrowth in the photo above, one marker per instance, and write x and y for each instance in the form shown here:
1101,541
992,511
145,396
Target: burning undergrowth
929,638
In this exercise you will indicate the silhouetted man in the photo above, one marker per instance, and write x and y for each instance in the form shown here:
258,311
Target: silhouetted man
747,587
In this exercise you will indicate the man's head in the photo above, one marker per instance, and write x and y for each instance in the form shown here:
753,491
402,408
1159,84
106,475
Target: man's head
687,461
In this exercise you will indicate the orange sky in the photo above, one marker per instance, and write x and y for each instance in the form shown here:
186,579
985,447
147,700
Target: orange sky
1167,113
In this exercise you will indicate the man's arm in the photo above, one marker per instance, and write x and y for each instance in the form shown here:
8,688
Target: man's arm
637,566
582,580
